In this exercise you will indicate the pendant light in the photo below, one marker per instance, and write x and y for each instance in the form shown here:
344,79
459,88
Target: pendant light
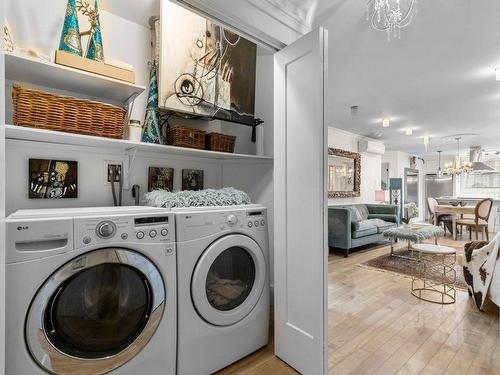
439,172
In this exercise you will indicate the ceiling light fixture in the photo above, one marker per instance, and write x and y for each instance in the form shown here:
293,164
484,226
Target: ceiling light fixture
427,140
456,167
386,122
388,15
439,172
497,73
409,131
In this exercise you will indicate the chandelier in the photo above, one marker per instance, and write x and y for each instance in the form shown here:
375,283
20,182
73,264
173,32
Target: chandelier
390,15
456,168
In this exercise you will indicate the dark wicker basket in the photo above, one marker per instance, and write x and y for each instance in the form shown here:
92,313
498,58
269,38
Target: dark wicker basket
182,136
43,110
220,142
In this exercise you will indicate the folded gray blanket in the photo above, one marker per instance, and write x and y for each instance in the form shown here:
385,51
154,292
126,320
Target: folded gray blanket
201,198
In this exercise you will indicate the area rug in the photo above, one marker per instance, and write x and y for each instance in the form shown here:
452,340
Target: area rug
402,266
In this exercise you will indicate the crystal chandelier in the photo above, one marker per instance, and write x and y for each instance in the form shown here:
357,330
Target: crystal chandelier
390,15
456,168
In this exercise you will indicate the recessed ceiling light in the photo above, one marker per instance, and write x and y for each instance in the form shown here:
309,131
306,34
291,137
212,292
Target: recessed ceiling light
386,123
497,73
409,131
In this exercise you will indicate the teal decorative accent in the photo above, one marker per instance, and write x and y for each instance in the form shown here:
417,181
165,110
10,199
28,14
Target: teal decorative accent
151,128
95,50
70,37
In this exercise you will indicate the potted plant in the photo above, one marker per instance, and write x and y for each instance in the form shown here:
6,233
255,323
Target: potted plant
411,211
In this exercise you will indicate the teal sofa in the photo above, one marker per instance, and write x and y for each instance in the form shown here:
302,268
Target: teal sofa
350,226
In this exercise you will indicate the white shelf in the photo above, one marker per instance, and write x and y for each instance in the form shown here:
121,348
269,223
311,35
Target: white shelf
38,72
48,136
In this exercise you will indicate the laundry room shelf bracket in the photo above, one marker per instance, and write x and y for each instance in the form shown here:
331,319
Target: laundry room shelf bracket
128,166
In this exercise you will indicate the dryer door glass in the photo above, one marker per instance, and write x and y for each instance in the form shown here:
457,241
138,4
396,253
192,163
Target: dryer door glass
99,311
230,279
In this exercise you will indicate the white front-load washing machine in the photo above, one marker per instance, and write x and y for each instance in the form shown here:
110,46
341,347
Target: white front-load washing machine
91,291
223,286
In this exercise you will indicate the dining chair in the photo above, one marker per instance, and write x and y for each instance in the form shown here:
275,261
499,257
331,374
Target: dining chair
446,219
480,220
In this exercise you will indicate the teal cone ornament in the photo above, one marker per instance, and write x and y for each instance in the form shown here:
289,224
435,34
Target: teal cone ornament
70,37
151,128
95,50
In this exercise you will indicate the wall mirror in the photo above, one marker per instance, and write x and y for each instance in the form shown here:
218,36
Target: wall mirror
344,173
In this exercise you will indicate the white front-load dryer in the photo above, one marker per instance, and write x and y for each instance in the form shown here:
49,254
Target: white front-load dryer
91,291
223,286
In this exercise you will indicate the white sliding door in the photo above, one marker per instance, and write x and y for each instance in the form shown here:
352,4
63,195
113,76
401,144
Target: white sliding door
300,195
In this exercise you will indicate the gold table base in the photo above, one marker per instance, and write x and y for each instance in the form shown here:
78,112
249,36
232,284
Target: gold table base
442,292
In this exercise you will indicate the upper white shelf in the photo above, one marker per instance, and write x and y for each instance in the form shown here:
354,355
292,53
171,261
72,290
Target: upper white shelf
38,72
48,136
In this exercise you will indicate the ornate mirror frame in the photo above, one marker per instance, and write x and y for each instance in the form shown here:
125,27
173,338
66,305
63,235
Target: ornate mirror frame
357,173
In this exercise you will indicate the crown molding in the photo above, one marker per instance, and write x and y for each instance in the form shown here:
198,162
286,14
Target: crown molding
286,13
256,20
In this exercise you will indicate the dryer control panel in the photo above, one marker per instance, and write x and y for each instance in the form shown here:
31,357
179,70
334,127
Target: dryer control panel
124,228
256,219
194,225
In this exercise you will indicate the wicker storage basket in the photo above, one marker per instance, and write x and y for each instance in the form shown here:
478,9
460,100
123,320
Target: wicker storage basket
220,142
39,109
182,136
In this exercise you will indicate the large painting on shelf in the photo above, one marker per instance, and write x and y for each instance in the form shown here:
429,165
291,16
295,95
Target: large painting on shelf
205,69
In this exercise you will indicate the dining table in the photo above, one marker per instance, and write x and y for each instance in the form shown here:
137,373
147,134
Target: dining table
455,212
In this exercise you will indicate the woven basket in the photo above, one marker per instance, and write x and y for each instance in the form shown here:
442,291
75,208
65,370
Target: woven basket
220,142
39,109
182,136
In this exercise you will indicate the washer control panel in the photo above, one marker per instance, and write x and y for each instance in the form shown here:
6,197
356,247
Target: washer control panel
149,228
105,229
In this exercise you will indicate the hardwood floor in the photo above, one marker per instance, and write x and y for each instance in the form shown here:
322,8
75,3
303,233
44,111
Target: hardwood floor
377,327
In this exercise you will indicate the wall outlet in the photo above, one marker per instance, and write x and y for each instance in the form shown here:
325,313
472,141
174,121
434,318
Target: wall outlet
118,172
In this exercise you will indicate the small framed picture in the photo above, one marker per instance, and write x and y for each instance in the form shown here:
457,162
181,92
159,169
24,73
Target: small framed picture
160,178
192,179
52,179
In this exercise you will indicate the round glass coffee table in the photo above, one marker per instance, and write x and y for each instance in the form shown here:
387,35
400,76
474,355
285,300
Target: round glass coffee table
433,273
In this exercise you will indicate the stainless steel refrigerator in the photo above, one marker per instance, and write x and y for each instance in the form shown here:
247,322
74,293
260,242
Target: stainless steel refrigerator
438,187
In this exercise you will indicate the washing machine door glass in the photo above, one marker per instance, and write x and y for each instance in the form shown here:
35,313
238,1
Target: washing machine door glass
96,312
228,280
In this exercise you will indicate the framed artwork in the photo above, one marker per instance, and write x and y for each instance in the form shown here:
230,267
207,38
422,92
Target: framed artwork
52,179
192,179
160,178
206,69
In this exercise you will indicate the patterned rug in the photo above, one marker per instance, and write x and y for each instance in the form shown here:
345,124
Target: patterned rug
402,266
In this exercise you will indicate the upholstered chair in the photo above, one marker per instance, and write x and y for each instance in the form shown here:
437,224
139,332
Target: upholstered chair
443,218
480,220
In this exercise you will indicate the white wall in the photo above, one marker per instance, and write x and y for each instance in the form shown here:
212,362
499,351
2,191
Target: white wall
371,166
398,161
38,25
92,188
2,203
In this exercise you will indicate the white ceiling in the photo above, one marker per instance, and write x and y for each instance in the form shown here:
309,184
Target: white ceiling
129,10
438,78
